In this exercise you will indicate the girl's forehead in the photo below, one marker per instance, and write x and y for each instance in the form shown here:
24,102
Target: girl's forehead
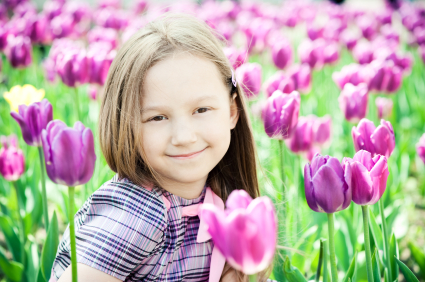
181,77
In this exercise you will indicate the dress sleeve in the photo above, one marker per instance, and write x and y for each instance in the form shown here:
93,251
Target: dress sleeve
122,226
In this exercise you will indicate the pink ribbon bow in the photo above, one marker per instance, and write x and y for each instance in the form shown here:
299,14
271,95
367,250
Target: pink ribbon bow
217,259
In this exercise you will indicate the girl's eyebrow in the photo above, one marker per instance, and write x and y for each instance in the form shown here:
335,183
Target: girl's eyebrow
202,98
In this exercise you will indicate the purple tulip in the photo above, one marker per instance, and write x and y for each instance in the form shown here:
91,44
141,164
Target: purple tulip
420,148
353,101
72,67
363,52
302,137
368,25
368,177
354,74
331,53
33,119
326,184
62,25
419,35
387,77
102,34
236,56
18,51
249,75
282,54
272,84
40,31
314,30
112,18
312,53
390,34
385,107
100,58
403,61
52,9
12,161
280,114
376,140
301,76
3,37
245,233
322,130
69,153
349,38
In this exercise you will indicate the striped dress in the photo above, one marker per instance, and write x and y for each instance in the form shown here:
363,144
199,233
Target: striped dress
128,232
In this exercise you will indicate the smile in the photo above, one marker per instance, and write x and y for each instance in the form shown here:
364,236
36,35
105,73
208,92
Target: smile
190,156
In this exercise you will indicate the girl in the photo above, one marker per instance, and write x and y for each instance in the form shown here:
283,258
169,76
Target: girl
174,127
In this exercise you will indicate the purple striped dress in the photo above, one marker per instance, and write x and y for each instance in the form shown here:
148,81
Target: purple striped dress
127,232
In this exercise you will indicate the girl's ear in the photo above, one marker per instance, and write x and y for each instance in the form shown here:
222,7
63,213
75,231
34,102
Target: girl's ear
234,113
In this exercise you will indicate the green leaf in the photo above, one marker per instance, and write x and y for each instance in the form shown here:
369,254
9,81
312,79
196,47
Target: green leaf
351,270
375,267
12,269
407,273
394,254
33,262
12,239
376,231
292,273
419,256
50,248
305,243
40,277
386,278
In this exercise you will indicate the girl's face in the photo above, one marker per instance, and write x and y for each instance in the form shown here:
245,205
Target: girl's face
186,109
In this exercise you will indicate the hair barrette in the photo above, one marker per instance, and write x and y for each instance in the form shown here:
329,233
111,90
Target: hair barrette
233,79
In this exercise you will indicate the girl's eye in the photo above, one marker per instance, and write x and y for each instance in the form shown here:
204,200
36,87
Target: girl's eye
156,117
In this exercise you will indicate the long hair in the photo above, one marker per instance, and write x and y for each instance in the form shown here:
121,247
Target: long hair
120,112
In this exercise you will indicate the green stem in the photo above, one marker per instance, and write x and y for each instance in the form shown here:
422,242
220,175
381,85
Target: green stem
325,260
71,191
331,231
77,104
21,222
282,164
253,278
367,243
386,241
43,188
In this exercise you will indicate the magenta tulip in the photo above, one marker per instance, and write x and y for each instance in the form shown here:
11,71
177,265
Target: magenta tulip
272,84
245,233
235,56
420,148
33,119
102,34
354,74
385,107
349,38
322,130
368,177
282,54
312,53
302,137
280,114
301,76
376,140
72,67
249,75
18,51
69,153
12,161
363,52
353,101
326,184
387,77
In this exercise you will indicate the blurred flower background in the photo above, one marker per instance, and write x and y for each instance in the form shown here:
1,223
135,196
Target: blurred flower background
321,78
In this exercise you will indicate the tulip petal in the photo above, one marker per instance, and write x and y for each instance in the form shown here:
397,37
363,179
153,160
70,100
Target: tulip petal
361,184
88,157
309,190
379,175
238,199
215,220
328,190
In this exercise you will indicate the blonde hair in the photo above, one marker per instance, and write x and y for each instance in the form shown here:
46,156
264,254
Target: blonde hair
120,112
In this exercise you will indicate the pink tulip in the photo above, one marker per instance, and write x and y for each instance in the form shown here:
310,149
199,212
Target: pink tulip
385,106
376,140
354,74
236,56
387,77
245,233
368,177
280,114
312,53
12,161
368,25
301,76
420,148
322,130
282,54
353,101
363,52
249,75
349,38
302,137
102,34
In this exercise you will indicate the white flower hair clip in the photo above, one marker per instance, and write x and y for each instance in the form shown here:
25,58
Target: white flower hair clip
233,79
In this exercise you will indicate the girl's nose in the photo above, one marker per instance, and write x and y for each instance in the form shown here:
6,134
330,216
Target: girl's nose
183,132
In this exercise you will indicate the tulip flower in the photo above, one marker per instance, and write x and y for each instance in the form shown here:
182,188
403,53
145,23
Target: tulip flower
354,74
249,75
18,51
330,53
420,148
302,136
26,95
363,52
322,130
421,51
69,153
387,77
99,59
102,34
368,183
301,76
312,53
72,67
235,56
378,140
353,101
328,189
12,161
282,54
385,106
368,25
33,119
245,233
272,84
349,38
280,114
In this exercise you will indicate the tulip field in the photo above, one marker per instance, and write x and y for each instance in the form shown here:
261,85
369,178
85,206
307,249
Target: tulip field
336,98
